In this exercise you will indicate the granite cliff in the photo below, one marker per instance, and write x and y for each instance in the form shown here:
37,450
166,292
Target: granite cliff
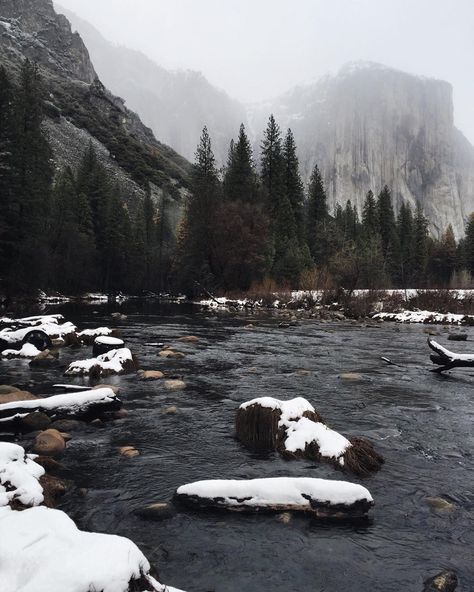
80,109
369,126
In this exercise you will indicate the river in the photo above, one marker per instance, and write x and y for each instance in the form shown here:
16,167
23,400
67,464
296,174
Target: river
419,421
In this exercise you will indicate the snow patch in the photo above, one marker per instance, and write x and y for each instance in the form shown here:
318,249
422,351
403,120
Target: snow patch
21,473
42,550
28,350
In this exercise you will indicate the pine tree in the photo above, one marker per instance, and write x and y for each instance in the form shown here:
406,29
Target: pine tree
289,256
370,221
7,222
405,233
240,181
317,219
196,266
387,228
420,246
31,183
444,259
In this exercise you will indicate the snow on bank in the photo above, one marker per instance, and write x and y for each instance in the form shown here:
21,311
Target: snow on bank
19,476
28,350
42,550
116,361
67,404
426,316
300,431
297,493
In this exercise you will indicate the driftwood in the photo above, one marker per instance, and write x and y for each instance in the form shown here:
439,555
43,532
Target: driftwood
446,360
259,429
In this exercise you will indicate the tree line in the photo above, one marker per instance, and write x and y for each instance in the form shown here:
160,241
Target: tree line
244,226
68,230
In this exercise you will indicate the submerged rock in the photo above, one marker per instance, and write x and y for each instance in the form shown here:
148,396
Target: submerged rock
17,396
175,384
67,425
439,503
189,339
35,421
157,511
352,376
150,375
128,451
171,353
457,337
445,581
170,410
5,389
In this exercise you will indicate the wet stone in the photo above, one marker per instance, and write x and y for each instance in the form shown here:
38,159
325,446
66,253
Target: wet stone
150,375
35,421
157,511
351,376
175,384
439,503
49,443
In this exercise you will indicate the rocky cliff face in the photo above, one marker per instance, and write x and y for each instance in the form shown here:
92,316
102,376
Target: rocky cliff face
80,109
175,105
370,126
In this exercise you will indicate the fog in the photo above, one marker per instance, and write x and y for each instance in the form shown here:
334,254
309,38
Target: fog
256,49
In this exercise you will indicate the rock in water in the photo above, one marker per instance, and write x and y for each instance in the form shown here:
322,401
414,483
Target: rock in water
150,375
175,384
49,443
157,511
445,581
438,503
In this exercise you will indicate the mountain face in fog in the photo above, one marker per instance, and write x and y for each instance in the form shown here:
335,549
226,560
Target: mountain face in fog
80,110
176,105
370,126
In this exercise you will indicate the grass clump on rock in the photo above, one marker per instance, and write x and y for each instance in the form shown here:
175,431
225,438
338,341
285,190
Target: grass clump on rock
295,429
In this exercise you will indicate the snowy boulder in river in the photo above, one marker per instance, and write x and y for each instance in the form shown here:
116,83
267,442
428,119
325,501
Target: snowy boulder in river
104,344
83,405
42,550
116,361
295,429
321,498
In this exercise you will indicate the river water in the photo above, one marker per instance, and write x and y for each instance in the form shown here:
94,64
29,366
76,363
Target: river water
420,422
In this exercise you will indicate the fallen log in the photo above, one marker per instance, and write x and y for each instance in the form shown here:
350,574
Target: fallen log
320,498
446,360
296,430
85,405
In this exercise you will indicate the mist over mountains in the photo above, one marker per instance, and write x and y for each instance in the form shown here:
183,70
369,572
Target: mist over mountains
365,127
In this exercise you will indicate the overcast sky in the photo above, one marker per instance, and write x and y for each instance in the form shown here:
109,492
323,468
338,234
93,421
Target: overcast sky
256,49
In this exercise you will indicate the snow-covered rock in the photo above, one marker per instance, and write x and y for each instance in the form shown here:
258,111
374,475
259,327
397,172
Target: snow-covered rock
319,496
28,350
42,550
19,477
116,361
81,403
